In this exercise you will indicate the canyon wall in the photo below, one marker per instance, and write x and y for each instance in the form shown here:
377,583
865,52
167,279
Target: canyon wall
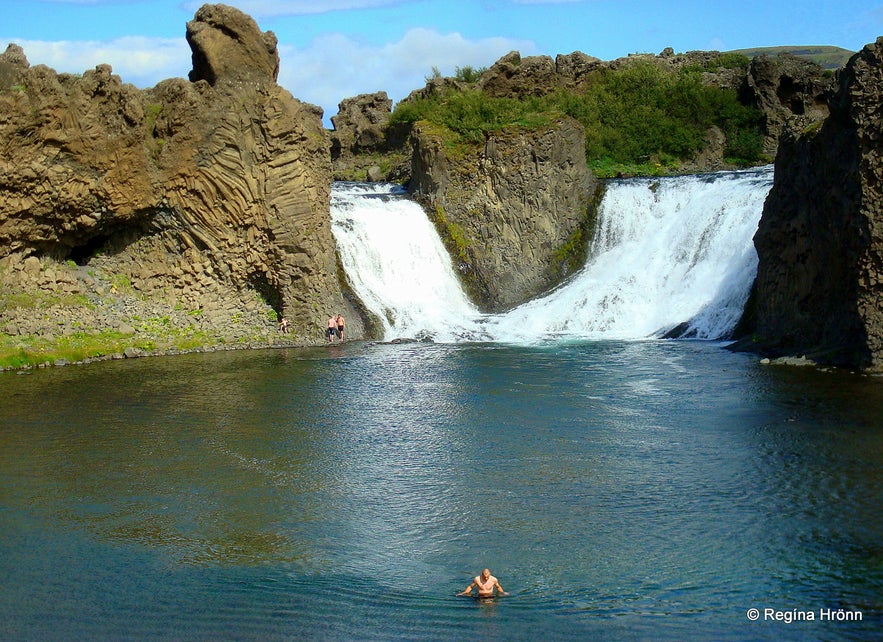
201,202
515,212
819,287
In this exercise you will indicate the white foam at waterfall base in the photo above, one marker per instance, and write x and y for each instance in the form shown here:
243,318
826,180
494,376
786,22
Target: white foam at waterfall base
667,252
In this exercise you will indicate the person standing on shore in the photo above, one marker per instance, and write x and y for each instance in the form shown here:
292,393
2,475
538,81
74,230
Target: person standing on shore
331,329
341,326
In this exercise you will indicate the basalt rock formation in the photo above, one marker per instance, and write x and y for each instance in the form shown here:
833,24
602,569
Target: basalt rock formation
819,287
201,203
781,87
515,212
362,140
786,88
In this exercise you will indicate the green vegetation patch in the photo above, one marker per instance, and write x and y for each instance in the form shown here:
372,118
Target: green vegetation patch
572,255
470,114
453,234
32,350
40,300
640,117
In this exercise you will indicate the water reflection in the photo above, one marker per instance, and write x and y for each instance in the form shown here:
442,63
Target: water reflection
363,485
200,460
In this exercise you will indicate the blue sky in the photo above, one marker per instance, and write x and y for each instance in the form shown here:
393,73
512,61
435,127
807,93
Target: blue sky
334,49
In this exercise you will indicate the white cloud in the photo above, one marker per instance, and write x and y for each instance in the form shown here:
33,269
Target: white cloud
335,66
717,44
138,60
332,67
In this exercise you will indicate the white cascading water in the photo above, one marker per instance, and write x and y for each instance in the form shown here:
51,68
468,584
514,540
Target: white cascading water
667,252
397,264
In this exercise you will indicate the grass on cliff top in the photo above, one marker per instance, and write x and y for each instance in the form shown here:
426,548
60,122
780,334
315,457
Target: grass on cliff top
825,56
638,116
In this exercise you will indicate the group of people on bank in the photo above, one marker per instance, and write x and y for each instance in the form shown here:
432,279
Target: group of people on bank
336,327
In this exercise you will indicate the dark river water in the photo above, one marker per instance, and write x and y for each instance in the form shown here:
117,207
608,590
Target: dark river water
652,490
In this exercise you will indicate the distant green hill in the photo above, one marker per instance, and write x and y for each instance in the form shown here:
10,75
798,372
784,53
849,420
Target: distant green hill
827,57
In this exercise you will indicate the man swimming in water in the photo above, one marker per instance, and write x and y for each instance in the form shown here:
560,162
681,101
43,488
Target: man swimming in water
485,583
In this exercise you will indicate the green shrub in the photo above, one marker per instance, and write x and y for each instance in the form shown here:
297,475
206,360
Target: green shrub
471,114
638,115
468,74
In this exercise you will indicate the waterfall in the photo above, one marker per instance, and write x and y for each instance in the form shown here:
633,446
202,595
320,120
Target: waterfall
397,264
667,252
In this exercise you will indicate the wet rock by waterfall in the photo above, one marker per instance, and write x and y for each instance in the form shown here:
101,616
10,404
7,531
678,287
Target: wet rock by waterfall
820,279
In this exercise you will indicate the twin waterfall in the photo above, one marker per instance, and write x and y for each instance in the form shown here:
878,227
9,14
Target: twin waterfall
668,252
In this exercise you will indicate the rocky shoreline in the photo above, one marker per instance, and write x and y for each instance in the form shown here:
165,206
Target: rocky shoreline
61,310
193,213
135,353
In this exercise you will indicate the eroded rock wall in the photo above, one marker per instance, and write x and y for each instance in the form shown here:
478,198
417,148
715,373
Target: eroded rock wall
513,211
819,288
209,196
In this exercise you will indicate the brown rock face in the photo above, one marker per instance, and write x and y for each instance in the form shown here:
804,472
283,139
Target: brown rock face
513,212
361,121
362,135
819,288
227,44
211,194
786,88
515,77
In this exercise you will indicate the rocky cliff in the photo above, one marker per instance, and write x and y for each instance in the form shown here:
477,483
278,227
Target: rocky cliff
786,89
514,211
202,203
783,88
819,287
364,146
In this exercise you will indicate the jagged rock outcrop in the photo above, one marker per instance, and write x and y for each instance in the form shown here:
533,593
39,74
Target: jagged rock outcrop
360,122
784,88
513,212
362,139
819,287
515,77
209,197
227,44
574,69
